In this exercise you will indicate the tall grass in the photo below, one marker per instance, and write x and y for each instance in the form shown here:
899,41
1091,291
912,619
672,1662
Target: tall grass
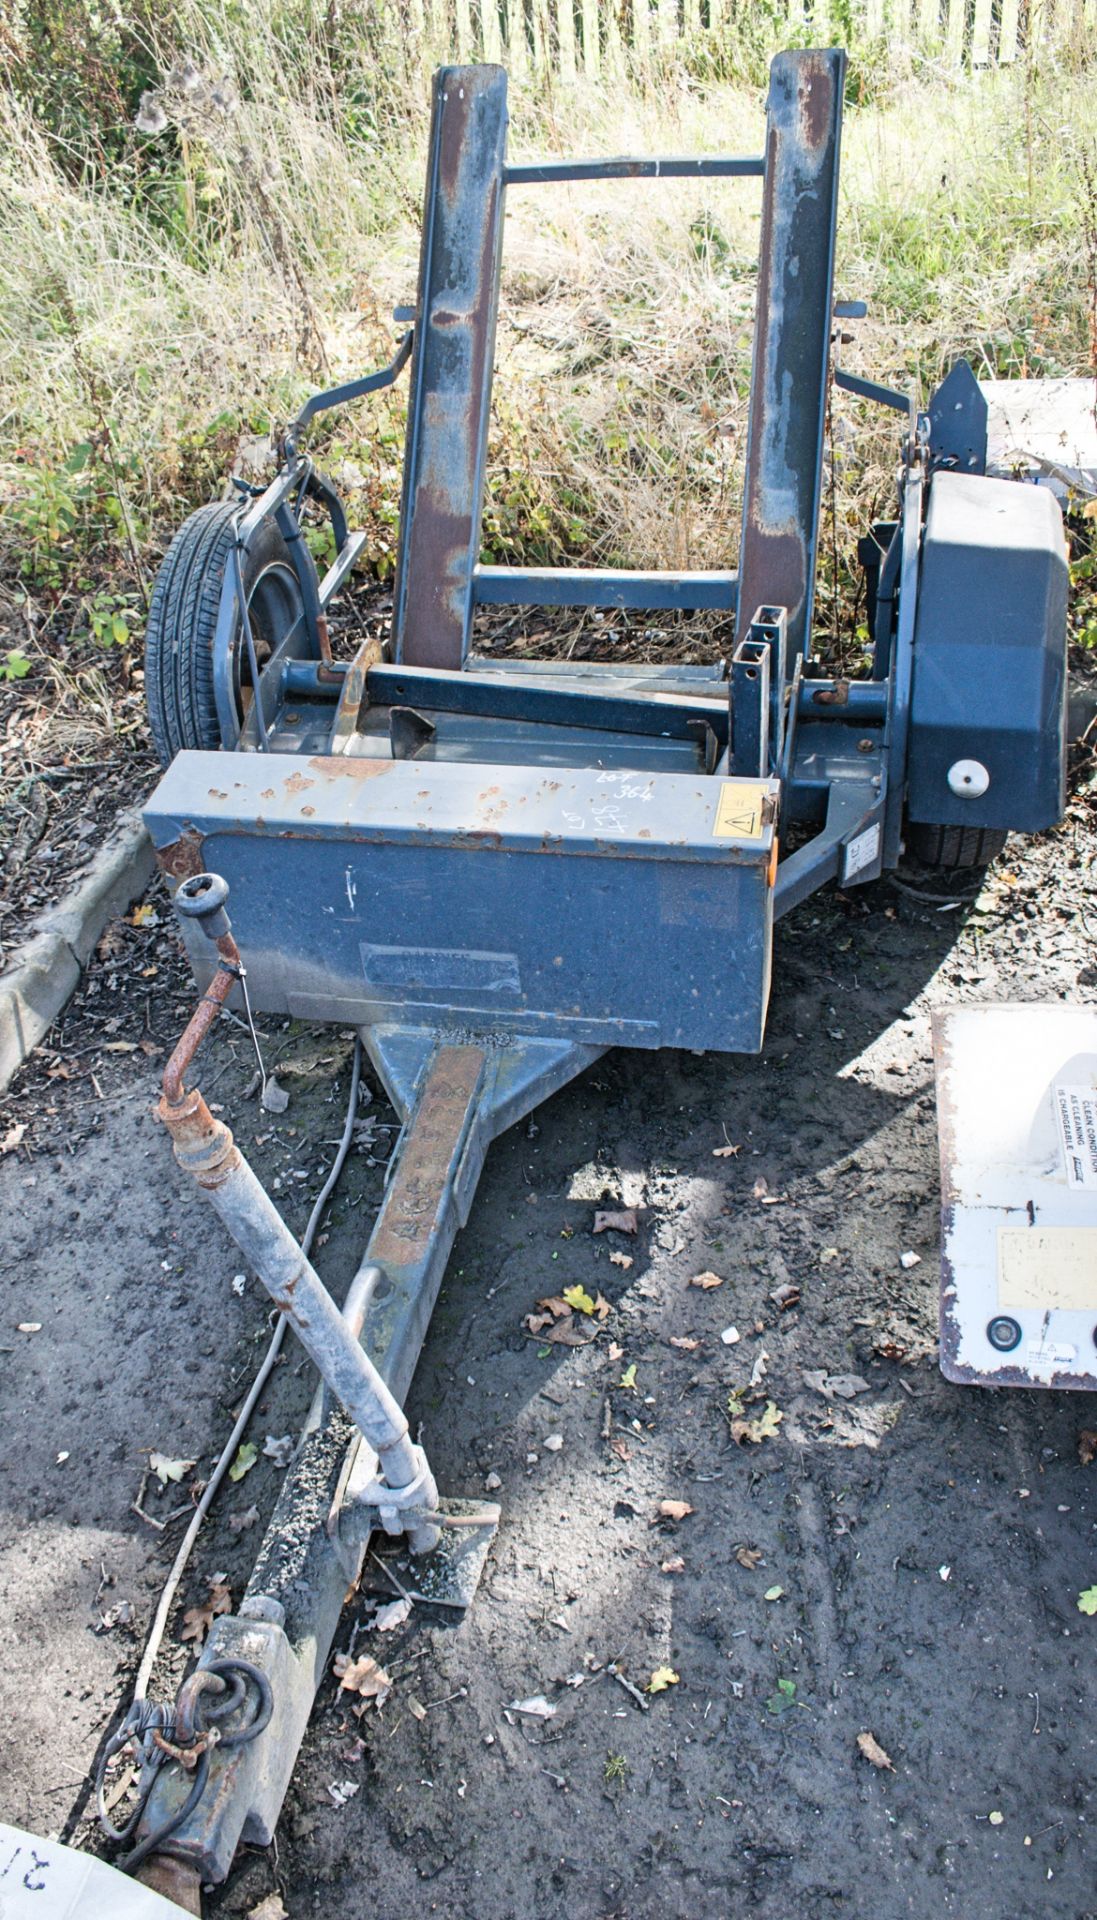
167,296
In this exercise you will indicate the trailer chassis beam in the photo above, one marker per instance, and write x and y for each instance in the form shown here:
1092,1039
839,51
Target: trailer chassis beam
455,1093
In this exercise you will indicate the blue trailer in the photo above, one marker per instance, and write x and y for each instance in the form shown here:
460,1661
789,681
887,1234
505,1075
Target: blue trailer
427,844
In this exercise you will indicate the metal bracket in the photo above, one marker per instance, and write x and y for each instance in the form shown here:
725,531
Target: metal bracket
450,1575
393,1508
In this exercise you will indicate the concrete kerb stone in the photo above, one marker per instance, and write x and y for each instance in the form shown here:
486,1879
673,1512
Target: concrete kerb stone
45,973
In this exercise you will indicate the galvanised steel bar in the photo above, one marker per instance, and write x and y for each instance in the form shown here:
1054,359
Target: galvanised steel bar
707,167
204,1148
451,367
603,587
791,343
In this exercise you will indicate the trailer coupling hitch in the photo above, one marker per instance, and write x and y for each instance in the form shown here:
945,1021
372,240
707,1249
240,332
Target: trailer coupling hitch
403,1492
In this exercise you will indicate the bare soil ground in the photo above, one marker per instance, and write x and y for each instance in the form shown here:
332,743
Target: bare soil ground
928,1543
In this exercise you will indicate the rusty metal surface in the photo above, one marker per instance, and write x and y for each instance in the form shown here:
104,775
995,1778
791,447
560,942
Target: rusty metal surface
203,1017
353,695
792,341
173,1880
452,367
183,858
415,1198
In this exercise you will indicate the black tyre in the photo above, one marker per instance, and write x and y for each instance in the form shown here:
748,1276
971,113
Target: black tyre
179,690
954,847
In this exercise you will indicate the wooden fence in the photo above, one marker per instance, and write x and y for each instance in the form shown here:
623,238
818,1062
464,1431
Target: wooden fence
600,37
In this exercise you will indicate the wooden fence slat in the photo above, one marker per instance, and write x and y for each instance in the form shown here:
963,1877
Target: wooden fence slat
517,50
592,52
602,38
491,31
565,39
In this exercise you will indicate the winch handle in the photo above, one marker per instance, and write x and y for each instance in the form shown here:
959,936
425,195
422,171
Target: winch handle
203,898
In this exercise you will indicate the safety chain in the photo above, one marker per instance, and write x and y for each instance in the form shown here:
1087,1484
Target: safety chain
185,1736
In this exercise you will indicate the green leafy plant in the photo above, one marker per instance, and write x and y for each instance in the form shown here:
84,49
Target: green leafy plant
14,665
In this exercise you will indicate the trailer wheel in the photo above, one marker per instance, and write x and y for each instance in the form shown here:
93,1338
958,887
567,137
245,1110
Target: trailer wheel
953,847
179,690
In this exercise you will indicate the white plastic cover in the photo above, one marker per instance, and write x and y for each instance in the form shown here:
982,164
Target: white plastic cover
42,1880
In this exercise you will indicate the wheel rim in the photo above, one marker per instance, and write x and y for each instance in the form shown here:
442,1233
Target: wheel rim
274,608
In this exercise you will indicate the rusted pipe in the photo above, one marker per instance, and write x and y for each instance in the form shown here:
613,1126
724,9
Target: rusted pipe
173,1880
203,1017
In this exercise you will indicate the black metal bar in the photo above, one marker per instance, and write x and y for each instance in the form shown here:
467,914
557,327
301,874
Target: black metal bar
451,367
602,587
351,390
870,390
494,697
709,167
749,749
792,341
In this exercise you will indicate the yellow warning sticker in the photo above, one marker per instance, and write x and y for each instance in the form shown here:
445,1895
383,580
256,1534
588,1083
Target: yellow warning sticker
1047,1268
739,810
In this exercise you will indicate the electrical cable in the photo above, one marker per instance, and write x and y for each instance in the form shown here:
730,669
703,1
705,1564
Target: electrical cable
228,1453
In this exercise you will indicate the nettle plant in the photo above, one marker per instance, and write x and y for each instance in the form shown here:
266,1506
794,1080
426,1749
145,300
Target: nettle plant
63,517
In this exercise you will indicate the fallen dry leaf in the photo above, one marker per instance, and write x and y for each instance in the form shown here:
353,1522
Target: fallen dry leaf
362,1676
579,1299
620,1259
726,1153
386,1619
537,1322
240,1522
572,1333
675,1564
620,1446
749,1557
707,1281
785,1296
872,1750
269,1909
197,1621
753,1432
601,1307
671,1510
143,916
558,1308
1087,1446
836,1386
616,1351
166,1469
685,1341
760,1188
661,1679
416,1708
622,1222
537,1707
13,1136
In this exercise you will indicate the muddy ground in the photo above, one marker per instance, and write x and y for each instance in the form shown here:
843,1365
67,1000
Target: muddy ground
904,1563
